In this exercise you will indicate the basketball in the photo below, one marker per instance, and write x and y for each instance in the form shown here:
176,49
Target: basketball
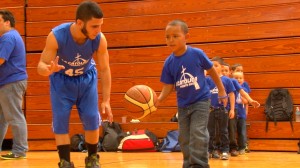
140,99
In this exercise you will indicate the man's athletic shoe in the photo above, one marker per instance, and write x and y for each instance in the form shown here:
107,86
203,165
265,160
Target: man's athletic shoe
11,156
92,161
65,164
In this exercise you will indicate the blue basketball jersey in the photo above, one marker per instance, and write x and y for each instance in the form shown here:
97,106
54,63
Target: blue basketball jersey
77,59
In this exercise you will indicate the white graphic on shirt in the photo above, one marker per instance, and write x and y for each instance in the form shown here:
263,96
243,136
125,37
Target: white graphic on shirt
239,99
187,80
76,63
214,90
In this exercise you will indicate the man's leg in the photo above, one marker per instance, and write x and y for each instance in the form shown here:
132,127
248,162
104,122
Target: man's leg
91,139
63,146
11,96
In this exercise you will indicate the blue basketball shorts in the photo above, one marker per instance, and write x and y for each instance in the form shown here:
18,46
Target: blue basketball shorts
66,91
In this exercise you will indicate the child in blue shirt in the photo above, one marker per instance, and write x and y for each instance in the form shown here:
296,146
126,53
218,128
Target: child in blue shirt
219,113
241,115
184,70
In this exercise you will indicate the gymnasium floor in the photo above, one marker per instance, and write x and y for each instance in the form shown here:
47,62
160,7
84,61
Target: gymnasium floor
49,159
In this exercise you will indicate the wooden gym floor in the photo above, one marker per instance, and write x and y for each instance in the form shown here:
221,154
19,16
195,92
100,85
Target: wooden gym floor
49,159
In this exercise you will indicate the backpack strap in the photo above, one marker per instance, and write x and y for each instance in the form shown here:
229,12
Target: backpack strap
267,124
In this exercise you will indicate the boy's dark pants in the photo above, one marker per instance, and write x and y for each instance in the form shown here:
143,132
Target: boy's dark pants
218,116
232,129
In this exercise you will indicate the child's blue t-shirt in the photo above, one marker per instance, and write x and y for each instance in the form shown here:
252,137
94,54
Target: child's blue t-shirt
229,87
186,72
12,50
246,87
77,59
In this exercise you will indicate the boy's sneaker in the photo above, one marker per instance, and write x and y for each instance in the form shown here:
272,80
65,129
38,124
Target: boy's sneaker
92,161
11,156
224,156
234,152
214,155
242,151
65,164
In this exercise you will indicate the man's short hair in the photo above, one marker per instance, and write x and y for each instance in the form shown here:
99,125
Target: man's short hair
8,16
88,10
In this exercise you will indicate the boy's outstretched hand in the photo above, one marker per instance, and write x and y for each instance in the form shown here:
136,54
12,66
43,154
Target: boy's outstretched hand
254,103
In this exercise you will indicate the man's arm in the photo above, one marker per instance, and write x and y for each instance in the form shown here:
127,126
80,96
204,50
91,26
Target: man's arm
105,74
49,61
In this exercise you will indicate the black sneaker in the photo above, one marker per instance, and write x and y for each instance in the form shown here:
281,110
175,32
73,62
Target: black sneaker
215,155
65,164
92,161
234,153
11,156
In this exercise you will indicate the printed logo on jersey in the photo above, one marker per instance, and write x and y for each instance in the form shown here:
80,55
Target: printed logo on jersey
77,62
187,80
214,90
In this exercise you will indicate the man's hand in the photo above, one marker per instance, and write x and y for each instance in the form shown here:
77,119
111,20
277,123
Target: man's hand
54,67
105,108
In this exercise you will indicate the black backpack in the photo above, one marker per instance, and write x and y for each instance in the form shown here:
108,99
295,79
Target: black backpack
112,135
78,143
279,107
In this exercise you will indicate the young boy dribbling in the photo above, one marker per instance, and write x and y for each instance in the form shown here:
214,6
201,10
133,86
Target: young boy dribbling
184,70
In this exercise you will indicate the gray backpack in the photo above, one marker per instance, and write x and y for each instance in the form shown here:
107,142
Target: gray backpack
112,135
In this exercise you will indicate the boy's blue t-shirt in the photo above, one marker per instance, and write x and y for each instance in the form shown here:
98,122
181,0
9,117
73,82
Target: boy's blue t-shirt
77,59
12,50
241,109
186,72
229,87
246,87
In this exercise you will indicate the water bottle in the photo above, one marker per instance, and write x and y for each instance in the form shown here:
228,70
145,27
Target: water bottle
297,114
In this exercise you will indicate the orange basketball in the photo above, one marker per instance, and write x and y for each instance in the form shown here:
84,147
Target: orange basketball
140,99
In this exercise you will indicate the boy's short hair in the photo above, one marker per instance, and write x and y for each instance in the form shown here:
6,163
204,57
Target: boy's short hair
181,23
88,10
8,16
225,64
234,66
218,59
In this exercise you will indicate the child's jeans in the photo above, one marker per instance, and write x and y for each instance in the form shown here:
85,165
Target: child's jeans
242,133
218,116
193,134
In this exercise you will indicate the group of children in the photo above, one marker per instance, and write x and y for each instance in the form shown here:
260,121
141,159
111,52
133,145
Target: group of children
225,121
